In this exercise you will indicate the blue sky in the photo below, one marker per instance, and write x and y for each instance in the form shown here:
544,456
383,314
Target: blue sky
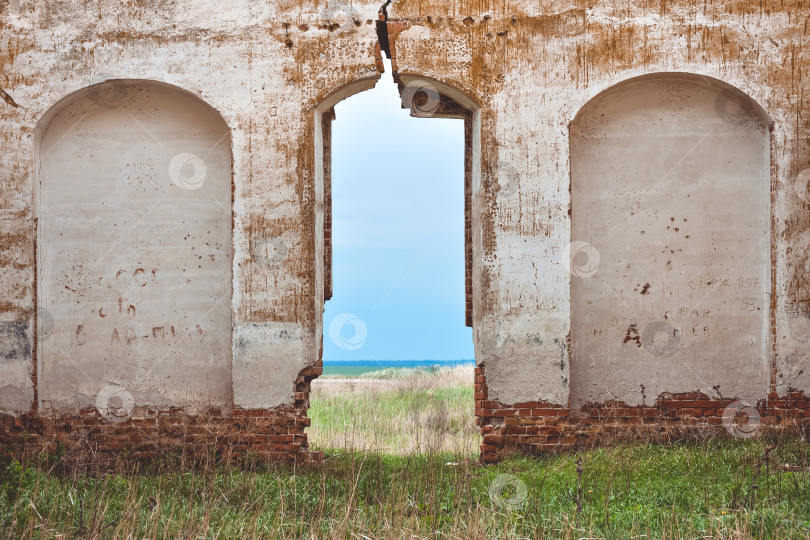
398,233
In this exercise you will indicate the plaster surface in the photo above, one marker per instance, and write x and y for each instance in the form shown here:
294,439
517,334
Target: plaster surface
134,206
670,256
529,67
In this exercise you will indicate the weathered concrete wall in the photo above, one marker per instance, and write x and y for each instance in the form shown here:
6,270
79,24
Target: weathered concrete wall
134,217
532,67
670,258
263,69
529,67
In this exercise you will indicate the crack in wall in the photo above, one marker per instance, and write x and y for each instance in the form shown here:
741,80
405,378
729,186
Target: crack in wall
382,30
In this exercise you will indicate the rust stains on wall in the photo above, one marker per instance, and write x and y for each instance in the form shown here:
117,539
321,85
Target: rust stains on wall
529,66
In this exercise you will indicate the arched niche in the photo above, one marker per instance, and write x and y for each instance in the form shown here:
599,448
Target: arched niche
134,250
670,243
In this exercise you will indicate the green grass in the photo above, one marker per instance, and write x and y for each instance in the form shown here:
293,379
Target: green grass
402,463
681,491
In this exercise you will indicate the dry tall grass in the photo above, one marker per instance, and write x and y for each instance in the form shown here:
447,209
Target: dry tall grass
420,412
405,485
637,491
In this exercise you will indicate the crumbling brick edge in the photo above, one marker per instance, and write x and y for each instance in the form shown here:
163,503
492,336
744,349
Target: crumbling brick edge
538,427
235,436
278,435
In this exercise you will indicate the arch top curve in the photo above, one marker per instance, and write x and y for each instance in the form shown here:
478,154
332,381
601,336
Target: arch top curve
730,100
113,93
444,89
447,93
346,91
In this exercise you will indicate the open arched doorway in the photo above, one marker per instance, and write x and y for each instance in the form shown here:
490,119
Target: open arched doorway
373,326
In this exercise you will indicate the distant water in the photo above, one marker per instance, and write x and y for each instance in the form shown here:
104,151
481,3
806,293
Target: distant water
358,367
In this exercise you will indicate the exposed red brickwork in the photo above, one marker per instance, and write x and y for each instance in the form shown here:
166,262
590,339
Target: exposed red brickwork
394,29
303,384
326,124
239,436
772,308
276,436
535,427
468,221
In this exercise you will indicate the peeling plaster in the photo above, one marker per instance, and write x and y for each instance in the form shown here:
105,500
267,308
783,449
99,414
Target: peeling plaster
529,66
